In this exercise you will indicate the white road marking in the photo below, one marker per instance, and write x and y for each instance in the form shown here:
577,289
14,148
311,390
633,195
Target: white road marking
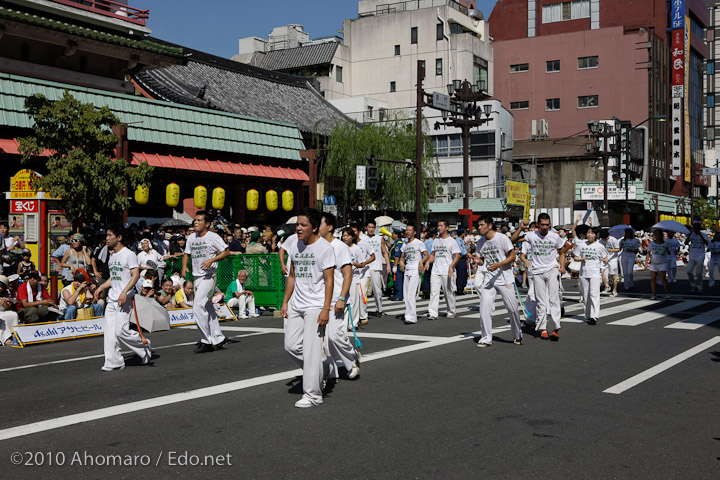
661,367
636,320
693,323
164,400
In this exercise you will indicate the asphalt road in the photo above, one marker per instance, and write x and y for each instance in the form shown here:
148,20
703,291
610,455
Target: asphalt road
427,404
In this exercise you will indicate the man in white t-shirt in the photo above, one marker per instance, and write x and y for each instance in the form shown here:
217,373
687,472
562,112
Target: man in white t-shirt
673,246
124,273
413,258
612,246
369,253
543,247
338,343
445,255
306,306
497,255
376,266
698,242
204,249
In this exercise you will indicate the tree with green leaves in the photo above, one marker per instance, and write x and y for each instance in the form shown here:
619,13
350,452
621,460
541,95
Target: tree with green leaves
707,212
350,145
81,168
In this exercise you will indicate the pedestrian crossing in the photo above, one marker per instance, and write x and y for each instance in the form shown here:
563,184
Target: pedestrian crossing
688,314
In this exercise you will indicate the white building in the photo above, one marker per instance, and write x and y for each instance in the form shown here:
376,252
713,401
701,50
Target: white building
370,74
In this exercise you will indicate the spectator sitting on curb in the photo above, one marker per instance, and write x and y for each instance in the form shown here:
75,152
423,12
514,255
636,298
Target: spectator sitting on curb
238,297
165,296
185,296
76,296
35,302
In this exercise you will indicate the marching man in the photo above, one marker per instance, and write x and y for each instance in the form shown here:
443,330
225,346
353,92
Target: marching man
445,255
412,262
124,274
306,306
205,248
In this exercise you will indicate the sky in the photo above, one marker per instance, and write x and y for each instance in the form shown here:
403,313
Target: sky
214,26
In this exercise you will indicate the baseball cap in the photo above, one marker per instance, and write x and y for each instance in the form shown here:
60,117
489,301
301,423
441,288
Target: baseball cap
147,283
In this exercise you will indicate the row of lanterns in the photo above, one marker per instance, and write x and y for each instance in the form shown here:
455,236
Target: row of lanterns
172,197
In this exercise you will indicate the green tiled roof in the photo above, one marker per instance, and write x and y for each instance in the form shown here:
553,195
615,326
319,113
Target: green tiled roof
38,21
163,123
476,205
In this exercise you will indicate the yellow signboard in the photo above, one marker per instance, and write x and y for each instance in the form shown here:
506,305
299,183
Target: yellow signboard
526,213
516,193
21,184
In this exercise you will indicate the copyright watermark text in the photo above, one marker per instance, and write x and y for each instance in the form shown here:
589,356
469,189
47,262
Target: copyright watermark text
89,459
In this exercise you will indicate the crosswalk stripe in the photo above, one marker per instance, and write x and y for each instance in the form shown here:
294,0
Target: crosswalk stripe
636,320
693,323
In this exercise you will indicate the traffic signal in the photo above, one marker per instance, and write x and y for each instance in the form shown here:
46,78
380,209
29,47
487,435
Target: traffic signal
372,178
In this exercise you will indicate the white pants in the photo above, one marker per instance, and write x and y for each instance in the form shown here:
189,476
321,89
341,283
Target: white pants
339,345
627,260
547,297
411,281
714,262
244,303
8,319
530,302
204,311
117,329
695,272
354,301
671,269
611,269
303,341
487,302
376,279
362,306
436,282
591,296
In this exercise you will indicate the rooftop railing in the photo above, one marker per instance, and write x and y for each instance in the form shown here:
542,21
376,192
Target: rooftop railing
385,8
110,8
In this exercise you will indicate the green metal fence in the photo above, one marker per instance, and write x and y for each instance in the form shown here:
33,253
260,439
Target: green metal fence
265,279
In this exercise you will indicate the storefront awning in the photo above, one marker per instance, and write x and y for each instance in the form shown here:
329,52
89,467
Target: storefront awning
218,166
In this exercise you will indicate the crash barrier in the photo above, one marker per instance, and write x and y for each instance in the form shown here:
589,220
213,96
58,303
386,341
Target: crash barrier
265,278
34,333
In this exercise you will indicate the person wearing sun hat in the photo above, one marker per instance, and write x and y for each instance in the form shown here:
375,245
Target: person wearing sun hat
77,296
77,256
255,247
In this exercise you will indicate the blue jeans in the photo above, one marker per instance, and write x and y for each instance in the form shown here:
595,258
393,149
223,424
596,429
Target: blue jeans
70,312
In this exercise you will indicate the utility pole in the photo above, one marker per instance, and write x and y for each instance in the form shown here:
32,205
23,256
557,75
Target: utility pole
419,145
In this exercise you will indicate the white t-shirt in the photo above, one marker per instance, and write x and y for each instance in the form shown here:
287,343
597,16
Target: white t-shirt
342,258
376,243
697,247
611,243
357,255
367,249
658,253
204,248
544,251
495,251
593,253
632,244
120,264
444,250
309,264
674,246
413,254
152,256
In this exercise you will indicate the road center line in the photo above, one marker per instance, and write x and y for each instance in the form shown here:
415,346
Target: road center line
661,367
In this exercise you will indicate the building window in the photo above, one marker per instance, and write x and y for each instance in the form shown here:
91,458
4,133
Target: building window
438,66
370,111
562,11
338,74
710,100
587,62
710,133
552,66
397,49
552,104
588,101
711,67
440,35
447,145
480,72
413,35
482,145
392,87
520,105
520,67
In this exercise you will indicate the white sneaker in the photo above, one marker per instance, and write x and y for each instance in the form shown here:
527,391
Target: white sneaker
110,369
253,315
354,372
306,403
483,345
653,297
614,294
450,315
244,317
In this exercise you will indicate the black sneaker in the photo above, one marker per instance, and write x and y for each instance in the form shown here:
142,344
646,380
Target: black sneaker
222,344
204,348
592,321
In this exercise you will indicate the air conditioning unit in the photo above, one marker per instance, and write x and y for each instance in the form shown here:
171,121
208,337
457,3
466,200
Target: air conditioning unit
440,190
452,190
484,193
442,199
540,128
